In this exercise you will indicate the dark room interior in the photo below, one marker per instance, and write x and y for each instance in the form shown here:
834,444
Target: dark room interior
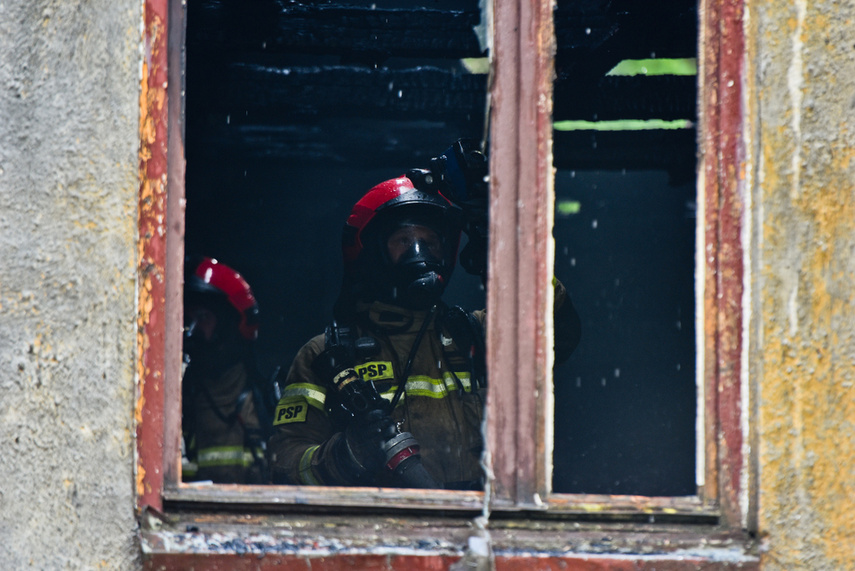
293,110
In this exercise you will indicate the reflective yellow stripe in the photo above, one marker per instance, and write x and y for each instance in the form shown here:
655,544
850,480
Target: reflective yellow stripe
418,385
224,456
389,394
314,395
424,386
188,469
306,474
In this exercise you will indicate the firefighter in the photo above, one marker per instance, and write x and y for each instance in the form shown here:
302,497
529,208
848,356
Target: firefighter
418,363
224,422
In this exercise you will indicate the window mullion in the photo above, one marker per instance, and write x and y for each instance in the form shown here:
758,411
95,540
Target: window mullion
519,295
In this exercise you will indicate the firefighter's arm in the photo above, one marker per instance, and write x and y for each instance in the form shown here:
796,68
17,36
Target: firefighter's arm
305,447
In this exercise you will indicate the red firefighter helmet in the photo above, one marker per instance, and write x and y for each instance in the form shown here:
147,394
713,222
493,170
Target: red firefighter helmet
207,276
369,273
398,198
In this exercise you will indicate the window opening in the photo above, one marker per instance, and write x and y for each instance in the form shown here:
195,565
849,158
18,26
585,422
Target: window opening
288,125
516,473
295,110
624,150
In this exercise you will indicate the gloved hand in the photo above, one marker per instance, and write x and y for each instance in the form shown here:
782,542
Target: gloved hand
364,438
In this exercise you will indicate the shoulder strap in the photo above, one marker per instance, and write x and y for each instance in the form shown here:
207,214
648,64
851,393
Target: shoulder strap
468,334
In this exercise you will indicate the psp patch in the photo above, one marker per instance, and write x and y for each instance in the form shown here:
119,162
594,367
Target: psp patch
290,410
376,371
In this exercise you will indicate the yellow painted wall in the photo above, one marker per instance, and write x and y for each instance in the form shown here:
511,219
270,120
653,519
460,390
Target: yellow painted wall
800,181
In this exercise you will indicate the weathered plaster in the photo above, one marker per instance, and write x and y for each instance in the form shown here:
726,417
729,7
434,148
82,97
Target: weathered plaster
803,63
69,77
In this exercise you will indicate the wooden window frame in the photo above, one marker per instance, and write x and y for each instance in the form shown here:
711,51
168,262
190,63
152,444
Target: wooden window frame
519,297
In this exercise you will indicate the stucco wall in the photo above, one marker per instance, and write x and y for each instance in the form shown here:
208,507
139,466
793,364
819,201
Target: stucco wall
69,113
802,182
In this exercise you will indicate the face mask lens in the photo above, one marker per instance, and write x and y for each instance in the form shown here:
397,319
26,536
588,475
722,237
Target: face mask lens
414,242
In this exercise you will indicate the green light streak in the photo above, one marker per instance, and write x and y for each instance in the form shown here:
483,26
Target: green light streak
684,66
622,125
476,65
568,207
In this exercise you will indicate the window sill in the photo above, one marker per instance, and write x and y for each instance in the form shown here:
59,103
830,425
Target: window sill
276,541
580,507
302,498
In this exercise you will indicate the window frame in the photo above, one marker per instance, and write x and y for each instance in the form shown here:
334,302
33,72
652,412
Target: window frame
519,300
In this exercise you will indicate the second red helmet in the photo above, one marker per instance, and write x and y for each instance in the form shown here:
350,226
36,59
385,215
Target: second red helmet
208,276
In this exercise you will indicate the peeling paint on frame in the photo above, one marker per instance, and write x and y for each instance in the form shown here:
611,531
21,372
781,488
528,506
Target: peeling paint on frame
148,412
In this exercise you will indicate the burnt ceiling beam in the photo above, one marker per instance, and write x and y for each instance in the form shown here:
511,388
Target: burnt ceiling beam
261,93
370,143
594,37
379,144
670,150
330,29
284,94
665,97
581,30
